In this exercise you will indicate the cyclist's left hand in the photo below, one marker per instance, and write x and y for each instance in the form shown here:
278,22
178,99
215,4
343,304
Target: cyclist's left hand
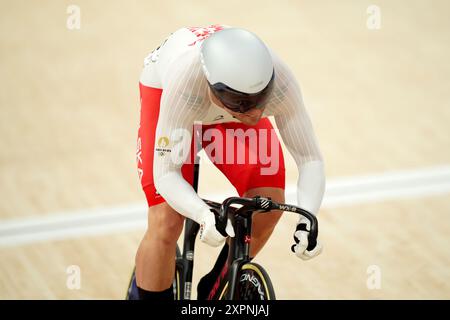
301,241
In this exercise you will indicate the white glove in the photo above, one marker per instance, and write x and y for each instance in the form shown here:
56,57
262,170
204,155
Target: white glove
209,233
301,239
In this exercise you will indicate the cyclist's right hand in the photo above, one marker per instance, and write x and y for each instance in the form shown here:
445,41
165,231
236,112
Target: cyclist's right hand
208,231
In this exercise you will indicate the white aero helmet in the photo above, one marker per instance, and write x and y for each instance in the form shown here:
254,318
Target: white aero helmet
238,67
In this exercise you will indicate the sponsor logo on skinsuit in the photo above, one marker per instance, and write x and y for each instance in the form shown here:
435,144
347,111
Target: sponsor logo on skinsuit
163,146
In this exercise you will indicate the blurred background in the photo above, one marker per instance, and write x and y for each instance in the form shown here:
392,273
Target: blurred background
375,79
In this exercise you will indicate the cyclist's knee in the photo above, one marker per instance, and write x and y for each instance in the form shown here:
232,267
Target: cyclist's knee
164,224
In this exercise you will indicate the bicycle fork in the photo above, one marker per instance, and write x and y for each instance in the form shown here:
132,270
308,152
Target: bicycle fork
239,250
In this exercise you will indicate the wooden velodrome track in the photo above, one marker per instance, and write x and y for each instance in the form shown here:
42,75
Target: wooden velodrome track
379,100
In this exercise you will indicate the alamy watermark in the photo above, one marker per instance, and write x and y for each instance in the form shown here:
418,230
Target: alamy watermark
231,146
374,19
73,21
374,277
73,281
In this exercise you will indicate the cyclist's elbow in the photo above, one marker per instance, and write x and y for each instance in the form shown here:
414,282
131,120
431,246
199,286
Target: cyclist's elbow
164,181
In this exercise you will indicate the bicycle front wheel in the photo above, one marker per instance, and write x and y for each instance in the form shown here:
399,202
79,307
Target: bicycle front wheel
253,283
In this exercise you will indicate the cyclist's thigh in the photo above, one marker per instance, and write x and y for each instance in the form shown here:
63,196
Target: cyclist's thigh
249,156
150,103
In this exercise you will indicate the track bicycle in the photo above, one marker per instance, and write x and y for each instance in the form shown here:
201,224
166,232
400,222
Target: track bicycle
241,279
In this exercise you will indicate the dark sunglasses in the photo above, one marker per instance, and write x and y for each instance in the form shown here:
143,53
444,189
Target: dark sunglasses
241,102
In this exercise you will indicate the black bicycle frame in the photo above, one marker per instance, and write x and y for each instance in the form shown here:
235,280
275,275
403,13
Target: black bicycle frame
186,263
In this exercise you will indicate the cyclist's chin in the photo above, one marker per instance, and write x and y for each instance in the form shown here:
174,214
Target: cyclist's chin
249,121
250,118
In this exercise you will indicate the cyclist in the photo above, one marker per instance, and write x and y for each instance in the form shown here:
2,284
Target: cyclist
226,82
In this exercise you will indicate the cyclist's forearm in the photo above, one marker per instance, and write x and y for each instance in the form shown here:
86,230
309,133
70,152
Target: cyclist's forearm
180,195
311,186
